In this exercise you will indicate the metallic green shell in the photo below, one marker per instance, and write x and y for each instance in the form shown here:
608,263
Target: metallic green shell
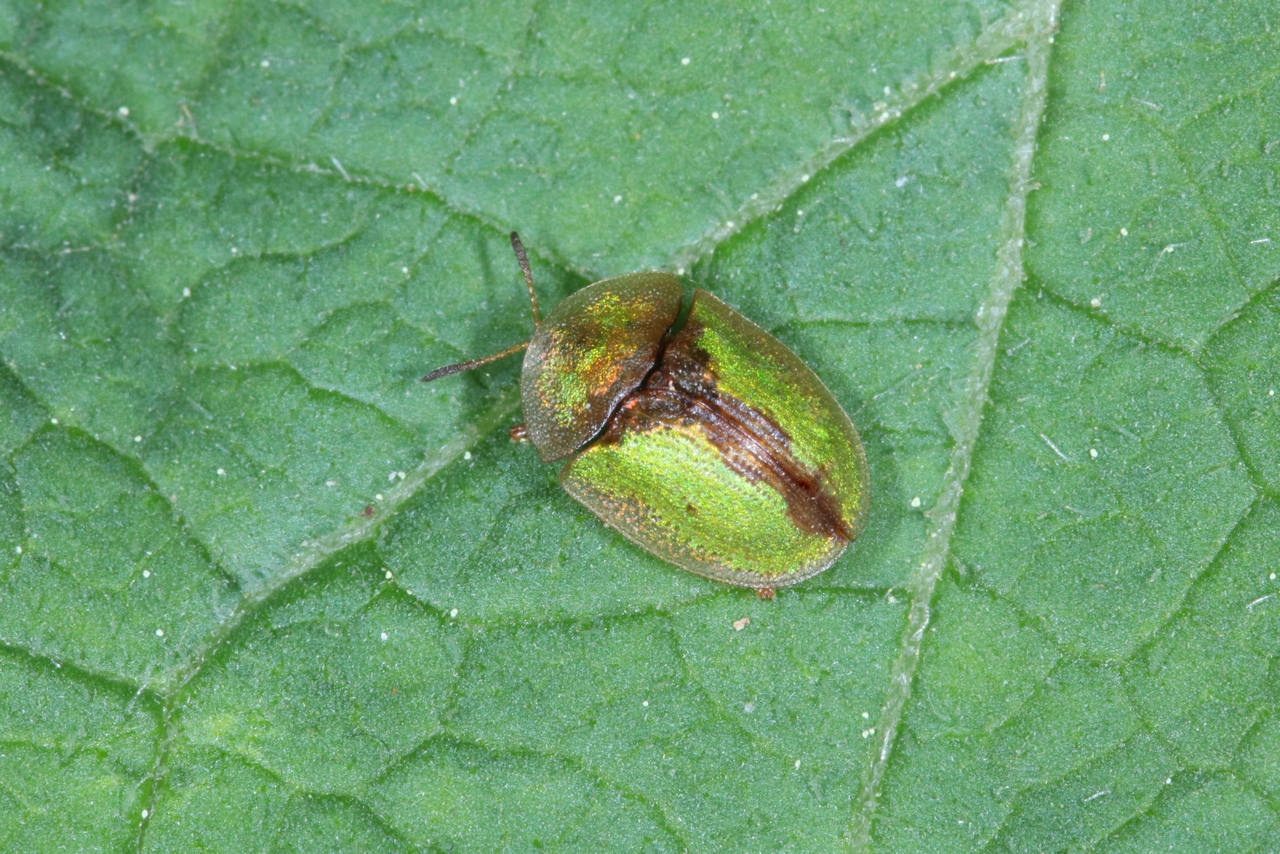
734,462
593,350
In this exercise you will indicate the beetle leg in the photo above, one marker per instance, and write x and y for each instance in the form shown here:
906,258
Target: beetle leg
519,433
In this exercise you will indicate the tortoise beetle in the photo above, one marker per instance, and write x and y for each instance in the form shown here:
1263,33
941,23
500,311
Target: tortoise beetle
714,448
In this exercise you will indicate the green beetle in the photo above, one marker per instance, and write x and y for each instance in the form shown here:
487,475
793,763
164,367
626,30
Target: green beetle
715,449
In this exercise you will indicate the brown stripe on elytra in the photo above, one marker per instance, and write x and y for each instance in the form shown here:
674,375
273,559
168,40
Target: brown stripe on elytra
663,403
811,507
690,368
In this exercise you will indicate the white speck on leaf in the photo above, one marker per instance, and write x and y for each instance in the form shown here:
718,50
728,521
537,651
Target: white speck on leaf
1048,442
739,625
1260,599
221,472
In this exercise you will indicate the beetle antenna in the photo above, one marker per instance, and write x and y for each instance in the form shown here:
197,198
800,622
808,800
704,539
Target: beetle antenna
528,275
474,363
537,320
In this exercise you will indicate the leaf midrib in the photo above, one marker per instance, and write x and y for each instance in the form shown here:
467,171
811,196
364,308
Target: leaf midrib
1007,278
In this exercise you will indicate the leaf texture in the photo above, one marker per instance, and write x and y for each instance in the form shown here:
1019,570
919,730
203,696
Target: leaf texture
262,590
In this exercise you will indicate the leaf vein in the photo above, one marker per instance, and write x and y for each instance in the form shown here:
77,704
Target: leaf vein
1040,20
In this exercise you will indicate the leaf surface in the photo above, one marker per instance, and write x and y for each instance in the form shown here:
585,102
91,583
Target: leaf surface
262,590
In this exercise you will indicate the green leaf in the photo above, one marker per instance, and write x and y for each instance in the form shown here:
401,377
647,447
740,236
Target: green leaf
263,590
